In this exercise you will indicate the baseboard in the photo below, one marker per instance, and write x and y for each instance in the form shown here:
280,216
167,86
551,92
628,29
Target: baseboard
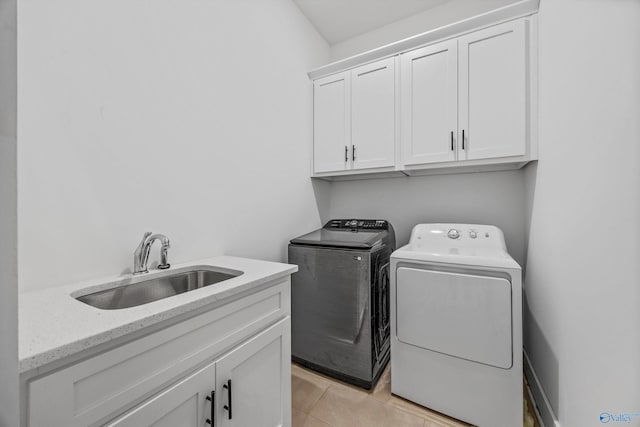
544,412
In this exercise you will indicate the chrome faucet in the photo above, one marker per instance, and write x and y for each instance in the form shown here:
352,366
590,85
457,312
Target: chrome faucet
141,255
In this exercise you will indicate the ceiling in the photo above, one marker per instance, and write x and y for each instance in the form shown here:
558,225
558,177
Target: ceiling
339,20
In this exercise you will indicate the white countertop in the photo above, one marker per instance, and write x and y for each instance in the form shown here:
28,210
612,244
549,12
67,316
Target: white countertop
54,325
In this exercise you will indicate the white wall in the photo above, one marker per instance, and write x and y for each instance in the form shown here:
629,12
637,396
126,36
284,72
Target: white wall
183,117
430,19
583,278
495,198
8,219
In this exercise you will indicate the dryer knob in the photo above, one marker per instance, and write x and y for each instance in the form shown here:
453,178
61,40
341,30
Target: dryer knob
453,233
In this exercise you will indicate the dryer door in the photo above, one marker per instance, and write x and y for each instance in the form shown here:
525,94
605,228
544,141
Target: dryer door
460,315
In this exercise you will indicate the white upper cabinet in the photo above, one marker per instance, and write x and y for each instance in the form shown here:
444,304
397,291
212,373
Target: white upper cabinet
493,92
332,122
354,122
466,102
373,115
429,91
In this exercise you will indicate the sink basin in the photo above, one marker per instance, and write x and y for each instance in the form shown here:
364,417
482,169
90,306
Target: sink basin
145,291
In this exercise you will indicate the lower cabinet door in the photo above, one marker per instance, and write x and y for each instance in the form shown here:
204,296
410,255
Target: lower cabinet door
184,404
254,381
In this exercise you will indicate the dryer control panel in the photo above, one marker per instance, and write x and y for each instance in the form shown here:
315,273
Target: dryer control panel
458,235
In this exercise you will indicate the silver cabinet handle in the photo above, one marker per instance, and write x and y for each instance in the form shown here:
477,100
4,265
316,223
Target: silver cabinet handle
451,140
353,153
346,154
463,139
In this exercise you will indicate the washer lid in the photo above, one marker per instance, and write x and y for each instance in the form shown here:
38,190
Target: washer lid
341,238
463,244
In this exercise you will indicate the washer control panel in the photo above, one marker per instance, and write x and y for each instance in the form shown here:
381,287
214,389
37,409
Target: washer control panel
359,224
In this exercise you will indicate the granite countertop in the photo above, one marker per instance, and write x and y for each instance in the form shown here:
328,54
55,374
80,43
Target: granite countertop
54,325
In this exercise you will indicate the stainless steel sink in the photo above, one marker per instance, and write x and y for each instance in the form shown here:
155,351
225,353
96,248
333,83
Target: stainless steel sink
145,291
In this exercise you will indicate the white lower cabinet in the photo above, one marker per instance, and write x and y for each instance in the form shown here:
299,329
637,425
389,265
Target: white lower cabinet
229,366
254,381
184,404
247,387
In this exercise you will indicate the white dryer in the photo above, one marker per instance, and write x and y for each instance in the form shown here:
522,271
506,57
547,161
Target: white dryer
456,324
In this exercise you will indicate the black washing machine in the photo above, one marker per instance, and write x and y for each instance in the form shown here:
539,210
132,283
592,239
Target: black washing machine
340,299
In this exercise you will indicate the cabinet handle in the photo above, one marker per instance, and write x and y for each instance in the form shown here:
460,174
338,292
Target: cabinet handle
212,421
463,139
451,140
230,407
353,153
346,154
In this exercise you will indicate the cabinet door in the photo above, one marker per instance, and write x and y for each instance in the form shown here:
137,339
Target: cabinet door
183,404
331,122
493,92
254,381
430,104
373,115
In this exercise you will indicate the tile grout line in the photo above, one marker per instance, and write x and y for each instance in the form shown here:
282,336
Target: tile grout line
316,403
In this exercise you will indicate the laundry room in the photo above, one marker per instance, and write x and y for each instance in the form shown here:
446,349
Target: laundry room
319,213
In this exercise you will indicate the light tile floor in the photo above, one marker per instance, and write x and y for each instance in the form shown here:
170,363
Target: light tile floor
321,401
